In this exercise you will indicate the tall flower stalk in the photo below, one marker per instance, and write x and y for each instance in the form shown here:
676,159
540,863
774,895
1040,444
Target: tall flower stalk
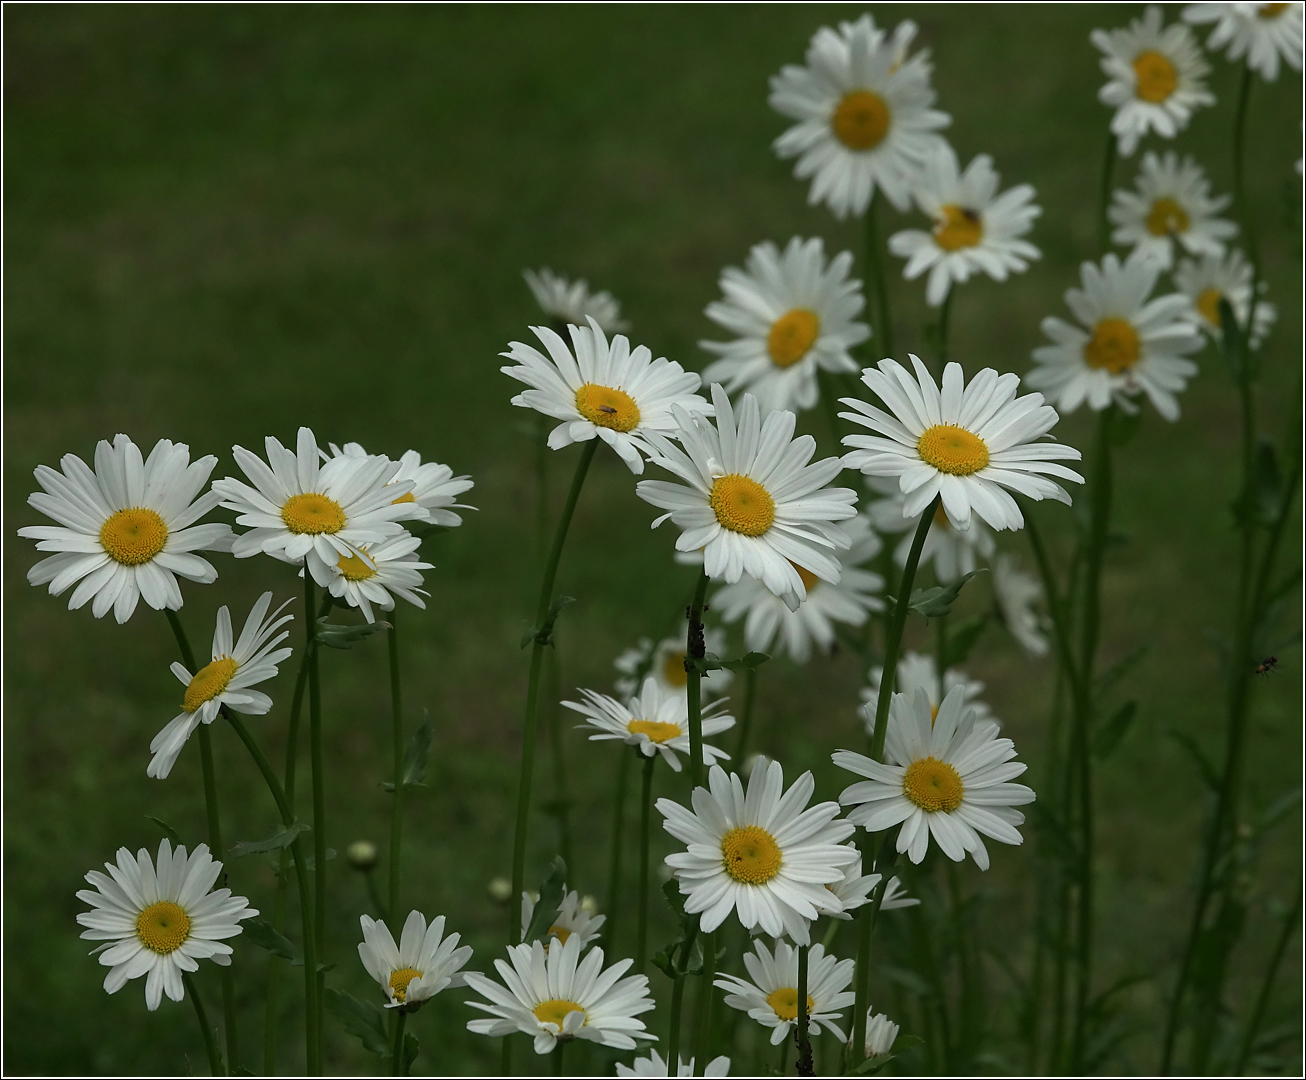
397,732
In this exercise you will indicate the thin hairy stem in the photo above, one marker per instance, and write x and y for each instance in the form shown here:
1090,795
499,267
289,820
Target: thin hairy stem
645,828
206,1029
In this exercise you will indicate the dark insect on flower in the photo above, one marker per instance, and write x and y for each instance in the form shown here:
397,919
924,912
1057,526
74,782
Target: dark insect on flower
969,214
608,409
1269,664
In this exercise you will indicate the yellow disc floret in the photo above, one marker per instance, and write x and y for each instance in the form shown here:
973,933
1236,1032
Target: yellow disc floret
1114,346
1166,217
399,980
933,785
356,567
742,505
607,407
1208,303
313,514
656,730
1155,76
792,336
410,497
751,855
208,682
133,536
555,1010
957,227
673,669
785,1002
952,450
163,927
559,932
861,120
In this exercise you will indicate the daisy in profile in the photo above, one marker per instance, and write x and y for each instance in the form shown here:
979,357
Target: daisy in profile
126,530
600,390
555,995
653,1065
572,302
665,662
968,444
863,112
917,671
434,486
767,617
752,499
1016,594
380,572
160,921
303,511
946,777
766,857
1263,33
572,919
855,889
772,997
1171,206
228,679
792,313
657,722
1155,78
952,552
881,1033
1212,278
424,962
975,230
1128,344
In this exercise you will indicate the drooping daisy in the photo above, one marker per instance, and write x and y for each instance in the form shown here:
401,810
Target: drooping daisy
763,856
556,994
1130,344
1155,78
968,443
1016,593
572,919
434,485
379,573
952,552
1208,280
573,302
1172,205
126,530
772,997
792,313
768,618
160,921
656,721
653,1065
855,888
424,963
665,662
947,777
301,510
753,502
228,679
1263,33
917,671
609,391
864,116
975,229
881,1033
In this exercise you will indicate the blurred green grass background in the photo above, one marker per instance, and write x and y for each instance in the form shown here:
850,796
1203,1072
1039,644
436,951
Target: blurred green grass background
224,222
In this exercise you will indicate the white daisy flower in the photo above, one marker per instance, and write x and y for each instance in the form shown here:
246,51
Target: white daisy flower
753,502
864,117
160,922
1155,78
303,511
573,301
1172,205
854,890
619,394
975,229
126,530
792,313
881,1033
656,721
1208,280
1016,594
665,662
434,486
763,856
572,919
967,444
952,552
653,1065
772,997
380,572
228,679
1130,344
768,617
555,994
917,671
424,963
947,777
1263,33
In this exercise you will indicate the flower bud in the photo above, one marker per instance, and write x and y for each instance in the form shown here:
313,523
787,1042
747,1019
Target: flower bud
500,889
361,855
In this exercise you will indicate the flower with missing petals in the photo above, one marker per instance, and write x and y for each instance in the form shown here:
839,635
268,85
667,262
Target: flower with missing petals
573,302
424,962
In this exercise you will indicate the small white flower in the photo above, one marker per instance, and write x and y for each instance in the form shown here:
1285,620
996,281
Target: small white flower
952,552
1172,205
1155,78
1208,280
792,313
434,486
854,890
917,671
665,662
653,1065
772,997
377,572
572,301
424,963
975,229
881,1033
571,920
1263,33
1016,594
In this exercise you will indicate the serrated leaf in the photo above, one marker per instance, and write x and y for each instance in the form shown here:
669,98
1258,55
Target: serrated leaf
168,830
411,1050
712,662
962,638
342,636
282,838
263,935
546,908
361,1019
416,753
936,602
1204,765
1109,733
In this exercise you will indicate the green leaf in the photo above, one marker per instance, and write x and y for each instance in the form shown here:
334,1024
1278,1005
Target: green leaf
546,908
282,838
872,1065
1108,734
1195,752
712,662
937,602
363,1019
168,830
341,636
415,756
962,638
1268,491
263,935
544,632
411,1050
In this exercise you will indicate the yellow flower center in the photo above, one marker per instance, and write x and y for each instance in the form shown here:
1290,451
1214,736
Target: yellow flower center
742,505
958,227
409,497
399,980
1271,11
1113,347
785,1002
808,579
751,855
163,927
559,932
607,406
952,450
133,536
654,729
355,567
1155,75
861,120
673,670
792,335
1166,217
1208,303
208,683
312,513
933,785
555,1010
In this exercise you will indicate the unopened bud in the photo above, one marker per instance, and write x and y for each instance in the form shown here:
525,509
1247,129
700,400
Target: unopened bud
881,1033
500,889
361,855
589,905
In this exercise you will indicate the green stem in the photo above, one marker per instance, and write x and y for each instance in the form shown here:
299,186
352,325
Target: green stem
542,482
866,916
945,314
694,650
784,1057
206,1029
678,997
614,856
805,1064
317,769
1263,998
1104,195
561,788
645,827
397,806
397,1047
557,1058
873,267
706,1000
746,720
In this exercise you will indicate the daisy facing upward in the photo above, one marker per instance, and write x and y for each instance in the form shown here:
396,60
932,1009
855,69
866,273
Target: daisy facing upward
1263,33
1171,206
